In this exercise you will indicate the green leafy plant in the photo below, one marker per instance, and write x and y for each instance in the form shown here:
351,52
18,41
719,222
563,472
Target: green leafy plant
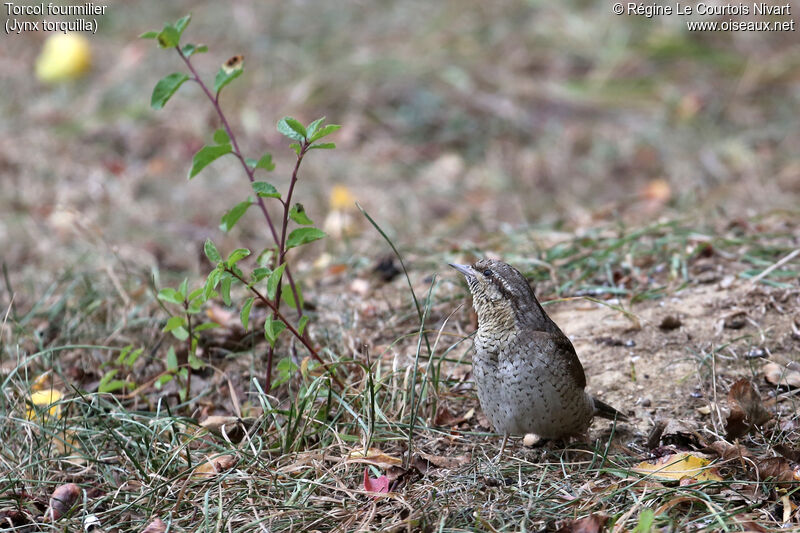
265,281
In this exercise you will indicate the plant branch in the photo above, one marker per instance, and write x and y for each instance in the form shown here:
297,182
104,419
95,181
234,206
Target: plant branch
302,338
250,173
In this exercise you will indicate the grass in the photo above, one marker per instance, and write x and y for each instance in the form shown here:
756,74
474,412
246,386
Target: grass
298,466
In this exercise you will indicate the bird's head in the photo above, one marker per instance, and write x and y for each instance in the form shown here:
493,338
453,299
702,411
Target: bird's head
500,293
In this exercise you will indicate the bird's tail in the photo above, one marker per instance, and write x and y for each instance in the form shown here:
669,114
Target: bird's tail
603,410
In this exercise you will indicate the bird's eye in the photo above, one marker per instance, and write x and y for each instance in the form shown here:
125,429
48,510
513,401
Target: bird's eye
487,273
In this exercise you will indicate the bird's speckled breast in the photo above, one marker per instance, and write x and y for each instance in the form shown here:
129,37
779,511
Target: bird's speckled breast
521,390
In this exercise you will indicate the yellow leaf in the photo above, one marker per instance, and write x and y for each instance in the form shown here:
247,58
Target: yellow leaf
679,466
64,56
45,399
341,198
373,456
215,465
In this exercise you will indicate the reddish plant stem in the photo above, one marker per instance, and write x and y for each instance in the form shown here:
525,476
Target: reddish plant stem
188,351
279,315
251,176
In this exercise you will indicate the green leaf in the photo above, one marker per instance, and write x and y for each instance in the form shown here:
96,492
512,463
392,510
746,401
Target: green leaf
205,156
221,137
195,362
225,77
286,368
149,35
194,294
296,147
288,295
160,382
302,236
174,323
323,146
265,190
181,24
236,256
260,273
301,326
225,289
165,88
184,288
298,214
312,128
292,128
180,333
211,282
211,252
274,281
273,328
230,218
170,295
266,163
204,326
169,37
190,49
245,313
324,132
172,360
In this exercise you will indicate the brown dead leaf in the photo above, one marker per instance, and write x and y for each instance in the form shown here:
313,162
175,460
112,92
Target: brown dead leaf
747,411
792,454
62,500
231,427
726,450
779,470
678,466
782,376
373,456
156,526
216,464
590,524
446,462
444,417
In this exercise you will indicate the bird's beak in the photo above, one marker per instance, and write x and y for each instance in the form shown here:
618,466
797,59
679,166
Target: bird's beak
464,269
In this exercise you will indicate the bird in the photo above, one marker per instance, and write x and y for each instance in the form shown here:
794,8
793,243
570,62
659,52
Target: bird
528,376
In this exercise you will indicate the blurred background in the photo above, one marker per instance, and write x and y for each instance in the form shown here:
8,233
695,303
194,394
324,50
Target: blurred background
463,121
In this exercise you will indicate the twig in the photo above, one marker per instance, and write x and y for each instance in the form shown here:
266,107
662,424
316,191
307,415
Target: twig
788,257
279,315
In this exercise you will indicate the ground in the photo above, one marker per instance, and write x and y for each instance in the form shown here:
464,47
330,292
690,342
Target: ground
645,179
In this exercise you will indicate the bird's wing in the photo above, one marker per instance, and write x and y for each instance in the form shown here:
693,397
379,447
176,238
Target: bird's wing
560,350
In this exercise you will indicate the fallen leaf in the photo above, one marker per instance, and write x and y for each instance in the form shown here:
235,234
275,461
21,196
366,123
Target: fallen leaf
231,427
747,410
790,453
62,500
678,466
444,417
778,470
782,376
590,524
726,450
447,462
670,322
380,484
214,465
43,401
156,526
373,456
